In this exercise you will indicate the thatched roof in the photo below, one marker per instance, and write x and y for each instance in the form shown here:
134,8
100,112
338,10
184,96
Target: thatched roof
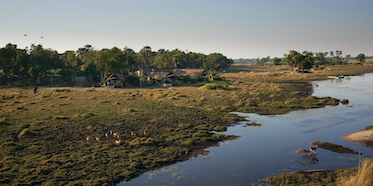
160,75
190,72
150,70
114,76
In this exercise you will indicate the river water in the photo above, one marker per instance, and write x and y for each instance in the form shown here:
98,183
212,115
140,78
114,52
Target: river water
268,150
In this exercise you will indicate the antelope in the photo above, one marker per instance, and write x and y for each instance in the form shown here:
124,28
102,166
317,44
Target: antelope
87,138
118,136
313,149
111,132
131,133
146,129
115,134
97,138
117,142
106,135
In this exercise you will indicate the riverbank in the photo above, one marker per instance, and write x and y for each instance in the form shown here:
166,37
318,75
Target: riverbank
363,137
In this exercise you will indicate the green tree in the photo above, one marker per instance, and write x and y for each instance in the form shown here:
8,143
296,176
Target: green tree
144,58
72,62
213,62
116,62
160,59
258,61
7,55
276,61
303,61
308,60
294,58
338,57
178,58
100,60
14,62
320,58
360,58
348,57
130,58
87,55
46,60
331,54
263,60
191,58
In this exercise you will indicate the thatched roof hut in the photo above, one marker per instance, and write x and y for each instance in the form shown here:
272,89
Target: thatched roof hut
193,73
115,80
163,78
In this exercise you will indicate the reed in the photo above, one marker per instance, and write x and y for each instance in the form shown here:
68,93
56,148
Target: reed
364,176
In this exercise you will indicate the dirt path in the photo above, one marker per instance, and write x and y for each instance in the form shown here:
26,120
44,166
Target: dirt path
363,137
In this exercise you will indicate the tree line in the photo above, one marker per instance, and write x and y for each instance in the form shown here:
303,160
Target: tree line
37,65
307,60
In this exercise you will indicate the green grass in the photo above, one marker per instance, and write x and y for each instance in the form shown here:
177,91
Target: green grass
45,142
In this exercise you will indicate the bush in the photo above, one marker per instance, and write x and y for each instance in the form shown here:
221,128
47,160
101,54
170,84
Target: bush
200,79
133,80
215,85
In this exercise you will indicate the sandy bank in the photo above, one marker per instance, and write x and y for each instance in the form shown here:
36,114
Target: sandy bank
363,137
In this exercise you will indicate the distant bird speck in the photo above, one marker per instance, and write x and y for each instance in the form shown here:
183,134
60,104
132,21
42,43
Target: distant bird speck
25,35
41,37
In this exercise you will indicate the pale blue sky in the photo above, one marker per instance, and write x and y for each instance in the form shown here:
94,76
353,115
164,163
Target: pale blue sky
235,28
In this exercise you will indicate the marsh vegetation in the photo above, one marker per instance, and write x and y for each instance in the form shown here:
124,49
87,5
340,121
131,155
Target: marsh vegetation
44,134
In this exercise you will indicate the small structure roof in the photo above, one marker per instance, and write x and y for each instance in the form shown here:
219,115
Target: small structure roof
116,75
190,72
160,75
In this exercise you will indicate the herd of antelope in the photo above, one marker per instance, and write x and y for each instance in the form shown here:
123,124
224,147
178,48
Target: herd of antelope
115,135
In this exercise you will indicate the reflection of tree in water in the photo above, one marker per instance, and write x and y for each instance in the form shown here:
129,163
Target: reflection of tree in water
307,160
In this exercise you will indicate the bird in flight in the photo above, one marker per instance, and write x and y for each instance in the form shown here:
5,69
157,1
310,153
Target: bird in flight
25,35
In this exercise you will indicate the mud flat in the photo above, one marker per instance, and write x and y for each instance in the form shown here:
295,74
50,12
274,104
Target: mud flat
363,137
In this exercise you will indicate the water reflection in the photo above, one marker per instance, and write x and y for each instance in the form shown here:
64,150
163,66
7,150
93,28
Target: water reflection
308,160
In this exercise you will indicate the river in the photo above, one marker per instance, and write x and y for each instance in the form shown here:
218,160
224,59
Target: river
269,149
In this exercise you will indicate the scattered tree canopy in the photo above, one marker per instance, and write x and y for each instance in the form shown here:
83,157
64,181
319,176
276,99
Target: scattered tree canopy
36,64
302,61
360,58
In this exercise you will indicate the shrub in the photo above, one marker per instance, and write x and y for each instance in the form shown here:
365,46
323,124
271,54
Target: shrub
215,85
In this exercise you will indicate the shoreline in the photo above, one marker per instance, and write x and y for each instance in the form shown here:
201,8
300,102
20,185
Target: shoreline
363,137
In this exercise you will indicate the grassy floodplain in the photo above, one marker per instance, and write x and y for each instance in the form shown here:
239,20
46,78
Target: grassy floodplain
44,135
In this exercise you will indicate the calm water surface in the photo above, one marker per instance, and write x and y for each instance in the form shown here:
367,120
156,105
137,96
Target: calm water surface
269,150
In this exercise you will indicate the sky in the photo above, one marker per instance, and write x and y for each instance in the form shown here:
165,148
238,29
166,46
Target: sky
234,28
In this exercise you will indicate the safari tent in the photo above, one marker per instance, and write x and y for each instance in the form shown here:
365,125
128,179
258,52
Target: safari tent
163,78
